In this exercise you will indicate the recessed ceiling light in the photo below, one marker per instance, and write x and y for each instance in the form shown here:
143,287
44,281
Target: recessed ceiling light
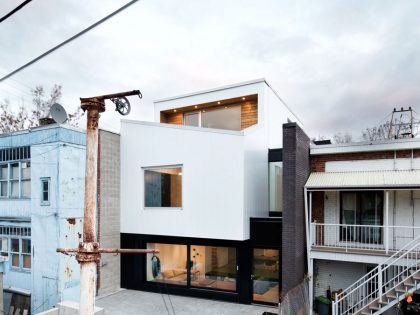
243,98
195,106
218,103
204,111
174,110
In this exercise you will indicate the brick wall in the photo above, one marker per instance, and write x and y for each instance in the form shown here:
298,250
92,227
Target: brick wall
109,204
318,161
296,168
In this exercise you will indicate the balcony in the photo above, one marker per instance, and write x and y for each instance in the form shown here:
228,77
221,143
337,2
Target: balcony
367,239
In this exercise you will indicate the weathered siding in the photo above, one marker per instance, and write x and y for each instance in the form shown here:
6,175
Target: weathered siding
109,207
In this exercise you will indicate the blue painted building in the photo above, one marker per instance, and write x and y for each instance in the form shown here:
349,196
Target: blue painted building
41,208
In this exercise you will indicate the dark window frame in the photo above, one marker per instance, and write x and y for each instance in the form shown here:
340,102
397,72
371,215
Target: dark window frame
361,233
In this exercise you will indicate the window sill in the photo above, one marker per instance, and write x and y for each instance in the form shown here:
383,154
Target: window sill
162,208
45,203
17,269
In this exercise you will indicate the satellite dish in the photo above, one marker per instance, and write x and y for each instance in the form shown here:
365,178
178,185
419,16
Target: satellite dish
58,113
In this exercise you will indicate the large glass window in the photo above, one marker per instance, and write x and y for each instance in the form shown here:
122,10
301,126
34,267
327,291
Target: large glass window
192,119
213,267
361,213
163,187
276,186
224,117
265,275
207,267
169,266
228,117
4,183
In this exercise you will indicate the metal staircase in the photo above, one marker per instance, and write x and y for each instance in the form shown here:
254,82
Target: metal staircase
384,286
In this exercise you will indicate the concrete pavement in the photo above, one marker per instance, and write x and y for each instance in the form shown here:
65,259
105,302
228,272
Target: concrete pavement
128,302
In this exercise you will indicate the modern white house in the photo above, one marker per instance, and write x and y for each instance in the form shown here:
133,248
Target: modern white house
42,177
195,184
363,223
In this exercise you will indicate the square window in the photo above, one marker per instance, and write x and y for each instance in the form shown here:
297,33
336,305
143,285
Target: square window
27,261
15,260
163,187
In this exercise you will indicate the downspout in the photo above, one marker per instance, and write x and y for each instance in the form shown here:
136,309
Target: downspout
308,251
98,202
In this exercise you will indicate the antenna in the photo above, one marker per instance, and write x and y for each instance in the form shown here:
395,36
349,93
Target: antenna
58,113
402,126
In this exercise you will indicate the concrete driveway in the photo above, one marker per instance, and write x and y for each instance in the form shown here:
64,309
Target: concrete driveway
128,302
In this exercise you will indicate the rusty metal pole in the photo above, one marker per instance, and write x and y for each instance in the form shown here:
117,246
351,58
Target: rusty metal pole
89,255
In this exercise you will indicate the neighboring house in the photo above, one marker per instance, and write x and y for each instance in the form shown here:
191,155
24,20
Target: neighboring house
364,229
42,176
203,184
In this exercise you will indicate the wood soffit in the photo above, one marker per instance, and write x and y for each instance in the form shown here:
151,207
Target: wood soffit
232,101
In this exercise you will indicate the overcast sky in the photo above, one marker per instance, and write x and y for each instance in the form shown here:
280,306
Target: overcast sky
339,65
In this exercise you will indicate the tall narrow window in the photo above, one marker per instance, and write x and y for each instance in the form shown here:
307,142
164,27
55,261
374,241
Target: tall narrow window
14,180
15,252
4,248
26,179
4,182
163,187
26,253
45,191
276,186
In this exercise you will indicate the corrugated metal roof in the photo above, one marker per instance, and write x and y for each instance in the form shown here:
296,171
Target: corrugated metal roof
377,179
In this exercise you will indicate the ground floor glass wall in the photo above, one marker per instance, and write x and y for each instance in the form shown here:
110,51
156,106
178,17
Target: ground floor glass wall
206,267
265,275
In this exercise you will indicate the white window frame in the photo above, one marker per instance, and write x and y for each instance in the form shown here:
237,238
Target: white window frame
9,180
48,181
144,186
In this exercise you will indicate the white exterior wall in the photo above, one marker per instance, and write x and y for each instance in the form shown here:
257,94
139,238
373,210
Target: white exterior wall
55,276
336,275
213,179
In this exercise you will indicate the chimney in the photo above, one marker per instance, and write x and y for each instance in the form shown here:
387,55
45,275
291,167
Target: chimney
46,121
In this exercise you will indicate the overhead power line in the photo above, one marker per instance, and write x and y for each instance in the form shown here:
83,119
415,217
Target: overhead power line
14,10
67,40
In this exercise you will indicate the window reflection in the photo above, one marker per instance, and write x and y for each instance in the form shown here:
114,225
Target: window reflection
169,266
213,267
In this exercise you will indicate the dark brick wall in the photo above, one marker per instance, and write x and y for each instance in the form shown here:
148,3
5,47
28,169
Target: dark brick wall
296,169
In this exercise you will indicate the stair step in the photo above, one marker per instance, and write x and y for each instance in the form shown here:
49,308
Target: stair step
383,302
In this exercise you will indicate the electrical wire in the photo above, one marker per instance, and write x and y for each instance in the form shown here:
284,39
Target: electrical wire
14,10
68,40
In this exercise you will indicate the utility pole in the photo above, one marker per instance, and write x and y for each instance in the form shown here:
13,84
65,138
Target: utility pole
89,252
402,126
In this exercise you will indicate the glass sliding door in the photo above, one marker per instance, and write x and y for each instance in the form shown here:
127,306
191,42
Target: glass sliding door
265,275
213,267
362,217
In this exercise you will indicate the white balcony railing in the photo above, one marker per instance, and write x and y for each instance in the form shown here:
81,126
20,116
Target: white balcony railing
361,237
